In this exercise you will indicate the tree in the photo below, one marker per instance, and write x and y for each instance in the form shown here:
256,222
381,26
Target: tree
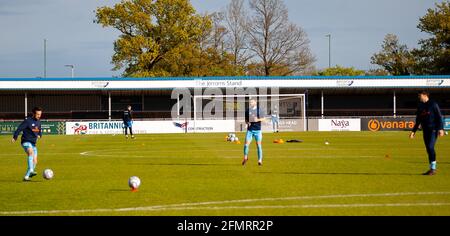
341,71
433,56
279,44
151,32
377,72
191,61
237,38
209,58
218,32
394,57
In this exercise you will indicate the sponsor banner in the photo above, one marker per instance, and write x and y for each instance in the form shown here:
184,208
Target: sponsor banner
344,83
8,127
200,126
212,126
435,82
447,124
99,127
387,124
53,127
284,125
48,127
150,127
340,125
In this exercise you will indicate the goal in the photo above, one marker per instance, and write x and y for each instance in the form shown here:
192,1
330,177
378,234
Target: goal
288,109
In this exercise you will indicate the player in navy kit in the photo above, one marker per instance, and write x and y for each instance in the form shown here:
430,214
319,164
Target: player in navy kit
31,131
128,121
429,116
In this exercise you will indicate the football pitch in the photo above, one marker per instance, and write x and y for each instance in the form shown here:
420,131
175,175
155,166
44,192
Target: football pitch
358,173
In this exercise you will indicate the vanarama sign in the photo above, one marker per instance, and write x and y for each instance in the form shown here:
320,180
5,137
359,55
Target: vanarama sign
447,124
388,124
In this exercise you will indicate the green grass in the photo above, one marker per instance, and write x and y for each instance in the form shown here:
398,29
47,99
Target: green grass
201,174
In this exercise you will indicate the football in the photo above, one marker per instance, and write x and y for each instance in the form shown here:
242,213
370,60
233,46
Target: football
134,182
48,174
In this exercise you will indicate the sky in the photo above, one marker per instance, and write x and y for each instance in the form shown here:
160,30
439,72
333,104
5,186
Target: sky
357,29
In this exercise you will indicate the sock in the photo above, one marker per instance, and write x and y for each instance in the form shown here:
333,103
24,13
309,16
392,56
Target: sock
260,153
246,148
30,166
433,165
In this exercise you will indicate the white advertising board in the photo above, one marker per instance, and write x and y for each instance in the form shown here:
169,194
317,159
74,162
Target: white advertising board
340,125
150,127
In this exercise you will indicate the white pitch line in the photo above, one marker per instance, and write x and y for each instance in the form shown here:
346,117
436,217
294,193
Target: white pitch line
312,157
111,152
307,206
92,154
188,206
46,154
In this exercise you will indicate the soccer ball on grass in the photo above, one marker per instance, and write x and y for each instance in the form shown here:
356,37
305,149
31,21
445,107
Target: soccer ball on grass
48,174
134,182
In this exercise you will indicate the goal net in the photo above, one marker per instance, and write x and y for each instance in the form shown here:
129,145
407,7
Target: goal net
283,112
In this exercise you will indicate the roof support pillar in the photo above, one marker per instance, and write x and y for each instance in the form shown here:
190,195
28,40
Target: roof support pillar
26,104
395,105
322,105
109,105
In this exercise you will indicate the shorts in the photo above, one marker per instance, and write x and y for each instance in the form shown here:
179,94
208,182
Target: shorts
27,145
275,120
128,124
253,133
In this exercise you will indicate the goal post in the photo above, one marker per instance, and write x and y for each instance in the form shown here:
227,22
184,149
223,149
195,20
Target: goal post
283,112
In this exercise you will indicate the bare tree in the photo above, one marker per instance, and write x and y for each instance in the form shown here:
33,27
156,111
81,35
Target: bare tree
213,32
237,38
219,31
283,47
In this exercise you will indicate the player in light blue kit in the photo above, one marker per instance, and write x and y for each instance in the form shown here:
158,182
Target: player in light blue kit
275,120
253,117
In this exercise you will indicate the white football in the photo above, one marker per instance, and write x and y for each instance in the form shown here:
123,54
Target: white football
48,174
134,182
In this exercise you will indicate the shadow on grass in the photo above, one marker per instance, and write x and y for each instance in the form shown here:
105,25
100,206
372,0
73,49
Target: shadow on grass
120,190
181,164
425,162
20,181
342,173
